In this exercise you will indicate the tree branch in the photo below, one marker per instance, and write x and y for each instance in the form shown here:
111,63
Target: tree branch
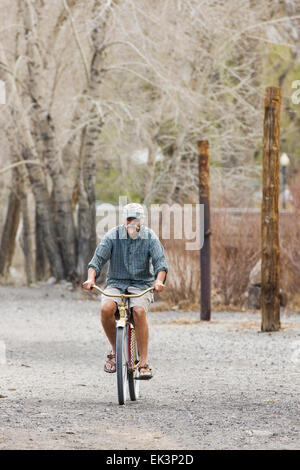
23,162
84,61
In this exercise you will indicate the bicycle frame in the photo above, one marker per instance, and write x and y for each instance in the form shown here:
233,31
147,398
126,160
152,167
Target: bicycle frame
122,308
127,350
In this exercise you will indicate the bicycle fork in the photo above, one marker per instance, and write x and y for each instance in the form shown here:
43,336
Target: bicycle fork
123,316
124,322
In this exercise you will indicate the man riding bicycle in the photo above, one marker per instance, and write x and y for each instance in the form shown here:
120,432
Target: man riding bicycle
137,261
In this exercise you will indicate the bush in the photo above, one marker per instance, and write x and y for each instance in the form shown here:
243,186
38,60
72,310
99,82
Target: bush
235,248
184,273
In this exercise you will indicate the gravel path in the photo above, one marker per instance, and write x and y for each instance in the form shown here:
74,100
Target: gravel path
217,385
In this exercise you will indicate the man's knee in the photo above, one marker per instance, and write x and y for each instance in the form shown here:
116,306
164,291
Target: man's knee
138,313
108,309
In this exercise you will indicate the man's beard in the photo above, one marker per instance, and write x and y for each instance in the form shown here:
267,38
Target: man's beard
133,230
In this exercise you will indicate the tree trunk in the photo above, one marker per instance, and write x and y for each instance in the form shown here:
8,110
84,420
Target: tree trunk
63,203
90,136
41,264
26,243
46,220
87,205
8,239
21,182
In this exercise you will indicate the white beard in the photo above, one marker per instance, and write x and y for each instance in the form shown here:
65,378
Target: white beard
132,231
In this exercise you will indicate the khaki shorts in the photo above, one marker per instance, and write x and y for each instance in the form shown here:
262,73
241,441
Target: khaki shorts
144,301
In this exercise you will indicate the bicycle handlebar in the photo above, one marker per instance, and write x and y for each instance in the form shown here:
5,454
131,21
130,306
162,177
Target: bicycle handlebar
131,296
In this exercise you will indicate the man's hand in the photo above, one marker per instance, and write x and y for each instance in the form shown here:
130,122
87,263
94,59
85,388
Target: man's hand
87,285
158,285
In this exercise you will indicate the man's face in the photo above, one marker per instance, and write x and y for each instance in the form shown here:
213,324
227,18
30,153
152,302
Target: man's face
133,226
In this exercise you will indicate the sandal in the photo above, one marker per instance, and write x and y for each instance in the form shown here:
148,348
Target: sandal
147,375
111,362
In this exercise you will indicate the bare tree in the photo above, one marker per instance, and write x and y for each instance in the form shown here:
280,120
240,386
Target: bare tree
92,84
43,130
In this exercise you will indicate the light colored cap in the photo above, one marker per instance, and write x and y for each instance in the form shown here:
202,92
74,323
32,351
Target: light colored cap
133,210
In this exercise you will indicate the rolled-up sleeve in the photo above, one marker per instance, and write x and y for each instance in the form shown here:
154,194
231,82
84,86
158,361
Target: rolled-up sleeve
158,256
102,255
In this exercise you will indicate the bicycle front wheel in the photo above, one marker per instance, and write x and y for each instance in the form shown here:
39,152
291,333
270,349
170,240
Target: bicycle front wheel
133,384
121,364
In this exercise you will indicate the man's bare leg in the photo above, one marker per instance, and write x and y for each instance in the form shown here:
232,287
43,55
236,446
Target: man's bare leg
142,333
108,310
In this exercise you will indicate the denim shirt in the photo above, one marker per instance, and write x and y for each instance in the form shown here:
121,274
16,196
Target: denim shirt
132,262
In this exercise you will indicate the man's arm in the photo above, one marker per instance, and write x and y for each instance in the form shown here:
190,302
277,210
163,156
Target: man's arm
159,281
87,285
159,262
101,256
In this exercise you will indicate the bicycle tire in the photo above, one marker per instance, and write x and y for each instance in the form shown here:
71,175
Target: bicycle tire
121,364
133,384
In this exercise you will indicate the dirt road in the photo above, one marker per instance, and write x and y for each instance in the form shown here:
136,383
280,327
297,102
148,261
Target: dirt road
217,385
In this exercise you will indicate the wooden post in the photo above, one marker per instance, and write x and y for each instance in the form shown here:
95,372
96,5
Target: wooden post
270,303
203,158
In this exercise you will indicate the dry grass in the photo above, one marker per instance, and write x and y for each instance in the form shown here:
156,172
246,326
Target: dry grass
186,322
229,325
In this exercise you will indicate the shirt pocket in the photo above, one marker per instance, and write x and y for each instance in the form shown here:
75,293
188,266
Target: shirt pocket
141,256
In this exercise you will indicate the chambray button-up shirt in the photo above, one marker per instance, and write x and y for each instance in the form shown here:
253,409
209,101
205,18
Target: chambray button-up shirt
132,262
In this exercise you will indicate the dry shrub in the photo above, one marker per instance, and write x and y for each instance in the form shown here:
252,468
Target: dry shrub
290,245
184,273
290,253
235,250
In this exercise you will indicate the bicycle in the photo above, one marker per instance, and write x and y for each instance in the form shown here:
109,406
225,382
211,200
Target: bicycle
126,348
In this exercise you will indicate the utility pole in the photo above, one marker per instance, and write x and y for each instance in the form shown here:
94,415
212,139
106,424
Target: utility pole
270,303
204,196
